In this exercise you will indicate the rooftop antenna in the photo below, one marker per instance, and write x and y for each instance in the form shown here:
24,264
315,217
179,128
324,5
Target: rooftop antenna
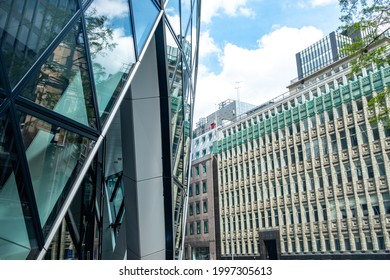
237,87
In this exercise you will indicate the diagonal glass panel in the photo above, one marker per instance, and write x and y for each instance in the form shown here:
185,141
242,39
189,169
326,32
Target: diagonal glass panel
185,15
195,29
173,14
112,49
54,157
188,107
62,84
179,219
175,92
27,27
145,14
187,32
62,247
14,239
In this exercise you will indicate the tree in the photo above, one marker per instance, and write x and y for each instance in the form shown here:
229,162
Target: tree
371,19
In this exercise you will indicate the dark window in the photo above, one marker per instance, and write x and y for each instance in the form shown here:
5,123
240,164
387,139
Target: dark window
204,187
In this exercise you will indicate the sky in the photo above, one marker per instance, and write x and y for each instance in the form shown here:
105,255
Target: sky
247,47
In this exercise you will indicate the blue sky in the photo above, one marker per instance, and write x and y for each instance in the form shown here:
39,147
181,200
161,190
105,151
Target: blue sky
254,42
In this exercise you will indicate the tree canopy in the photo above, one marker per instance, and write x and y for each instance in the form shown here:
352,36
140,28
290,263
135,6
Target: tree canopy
370,18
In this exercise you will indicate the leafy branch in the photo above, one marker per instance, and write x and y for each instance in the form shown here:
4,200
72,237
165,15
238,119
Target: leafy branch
368,23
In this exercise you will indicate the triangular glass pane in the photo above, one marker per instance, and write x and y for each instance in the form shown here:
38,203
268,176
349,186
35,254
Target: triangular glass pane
62,84
194,31
54,156
27,27
112,50
185,15
175,92
14,239
186,18
173,14
145,14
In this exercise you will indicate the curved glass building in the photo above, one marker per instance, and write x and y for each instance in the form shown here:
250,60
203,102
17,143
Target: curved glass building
96,105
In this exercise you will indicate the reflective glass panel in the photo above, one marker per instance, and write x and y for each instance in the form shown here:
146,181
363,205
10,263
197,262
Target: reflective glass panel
195,28
178,200
62,246
1,85
113,148
27,27
185,15
112,49
62,84
14,240
2,95
54,157
173,14
187,138
175,91
145,14
187,38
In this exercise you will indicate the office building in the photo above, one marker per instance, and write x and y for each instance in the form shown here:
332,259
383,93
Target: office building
306,176
321,54
96,102
202,213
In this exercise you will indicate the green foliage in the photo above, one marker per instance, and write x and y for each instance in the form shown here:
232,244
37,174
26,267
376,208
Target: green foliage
371,18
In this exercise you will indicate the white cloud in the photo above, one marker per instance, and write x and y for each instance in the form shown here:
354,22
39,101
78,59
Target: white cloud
264,72
316,3
230,8
207,45
111,9
304,4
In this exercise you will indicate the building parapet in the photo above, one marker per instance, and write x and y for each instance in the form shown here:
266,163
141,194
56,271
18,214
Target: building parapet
355,89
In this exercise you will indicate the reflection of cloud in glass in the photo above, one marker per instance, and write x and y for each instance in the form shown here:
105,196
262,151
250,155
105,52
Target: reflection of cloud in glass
112,49
174,20
170,40
119,57
111,9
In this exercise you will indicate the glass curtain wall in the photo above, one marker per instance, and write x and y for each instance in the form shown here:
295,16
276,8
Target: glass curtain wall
65,66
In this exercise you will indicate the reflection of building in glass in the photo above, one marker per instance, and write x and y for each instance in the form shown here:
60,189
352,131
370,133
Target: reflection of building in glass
95,120
307,175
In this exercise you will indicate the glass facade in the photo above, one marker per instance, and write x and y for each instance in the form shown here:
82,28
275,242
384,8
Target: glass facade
72,88
321,54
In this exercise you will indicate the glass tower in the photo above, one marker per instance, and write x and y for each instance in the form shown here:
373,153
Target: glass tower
321,54
96,105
